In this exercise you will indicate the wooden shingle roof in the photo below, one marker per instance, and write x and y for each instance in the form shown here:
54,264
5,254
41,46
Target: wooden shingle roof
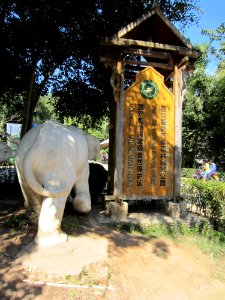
153,40
155,27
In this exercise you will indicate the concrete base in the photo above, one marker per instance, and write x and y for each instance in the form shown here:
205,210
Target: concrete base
175,210
118,211
64,259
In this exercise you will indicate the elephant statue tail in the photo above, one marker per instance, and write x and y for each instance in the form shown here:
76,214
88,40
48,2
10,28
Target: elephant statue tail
53,186
61,190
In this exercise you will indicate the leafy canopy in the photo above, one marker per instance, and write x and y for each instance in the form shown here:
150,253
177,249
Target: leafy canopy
204,111
54,46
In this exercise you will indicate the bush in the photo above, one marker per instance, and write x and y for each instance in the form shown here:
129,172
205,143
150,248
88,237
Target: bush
8,174
207,198
187,172
190,172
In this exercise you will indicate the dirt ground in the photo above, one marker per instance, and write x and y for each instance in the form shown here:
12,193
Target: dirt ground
113,265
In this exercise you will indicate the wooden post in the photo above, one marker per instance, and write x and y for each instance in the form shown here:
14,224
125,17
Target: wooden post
119,135
112,139
116,130
178,88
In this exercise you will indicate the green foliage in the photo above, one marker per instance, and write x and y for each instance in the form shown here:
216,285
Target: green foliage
203,113
55,57
17,221
214,118
203,117
10,109
45,109
187,172
70,225
102,131
195,136
217,34
206,197
21,221
99,129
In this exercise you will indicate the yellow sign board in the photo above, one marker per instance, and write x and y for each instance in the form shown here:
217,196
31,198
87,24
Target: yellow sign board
148,157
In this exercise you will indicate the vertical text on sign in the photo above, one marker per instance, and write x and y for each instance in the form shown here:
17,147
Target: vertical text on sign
140,136
148,149
163,156
153,146
130,161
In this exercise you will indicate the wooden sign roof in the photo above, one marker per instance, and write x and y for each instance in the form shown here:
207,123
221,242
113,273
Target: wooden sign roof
154,26
155,42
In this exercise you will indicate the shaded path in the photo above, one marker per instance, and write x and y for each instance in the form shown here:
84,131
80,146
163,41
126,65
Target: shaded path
136,266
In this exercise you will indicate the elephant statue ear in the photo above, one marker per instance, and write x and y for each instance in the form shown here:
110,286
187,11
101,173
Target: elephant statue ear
5,152
93,147
92,141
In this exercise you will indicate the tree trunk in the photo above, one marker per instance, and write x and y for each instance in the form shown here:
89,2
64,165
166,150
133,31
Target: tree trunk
27,102
35,99
31,100
111,161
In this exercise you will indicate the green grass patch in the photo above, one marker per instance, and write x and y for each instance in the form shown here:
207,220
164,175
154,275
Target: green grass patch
20,221
70,225
202,235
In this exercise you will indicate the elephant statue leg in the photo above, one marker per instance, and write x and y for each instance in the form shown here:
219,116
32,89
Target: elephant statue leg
25,190
36,202
32,201
50,219
82,200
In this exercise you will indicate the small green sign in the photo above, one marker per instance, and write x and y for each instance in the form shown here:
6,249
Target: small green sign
149,89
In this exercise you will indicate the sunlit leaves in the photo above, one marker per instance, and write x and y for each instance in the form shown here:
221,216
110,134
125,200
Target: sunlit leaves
57,42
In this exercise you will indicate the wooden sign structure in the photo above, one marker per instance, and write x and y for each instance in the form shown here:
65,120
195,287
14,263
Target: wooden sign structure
148,152
148,59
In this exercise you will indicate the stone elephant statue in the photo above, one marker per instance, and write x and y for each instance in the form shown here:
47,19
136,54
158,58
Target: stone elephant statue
93,143
6,152
51,160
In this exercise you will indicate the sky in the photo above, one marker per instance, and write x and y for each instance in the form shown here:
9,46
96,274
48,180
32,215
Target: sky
211,18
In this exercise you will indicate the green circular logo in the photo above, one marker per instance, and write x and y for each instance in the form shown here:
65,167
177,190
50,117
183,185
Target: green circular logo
149,89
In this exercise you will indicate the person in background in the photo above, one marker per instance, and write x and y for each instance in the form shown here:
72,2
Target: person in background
105,158
211,171
205,169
